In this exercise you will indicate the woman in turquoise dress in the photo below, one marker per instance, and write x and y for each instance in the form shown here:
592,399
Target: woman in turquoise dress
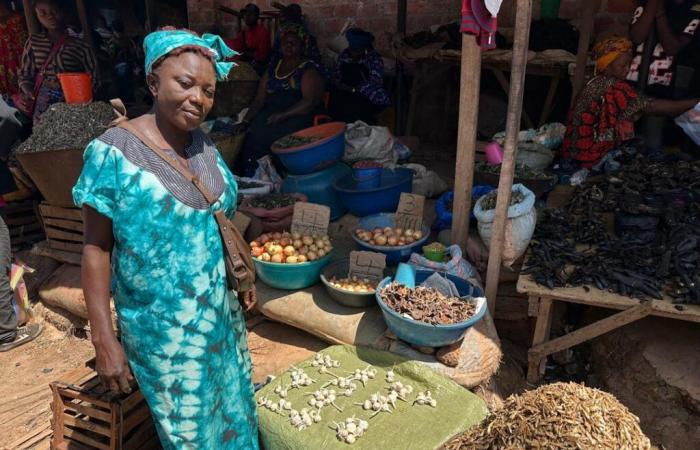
151,235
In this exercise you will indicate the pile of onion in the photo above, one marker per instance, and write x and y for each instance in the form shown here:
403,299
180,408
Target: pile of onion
290,248
389,237
354,284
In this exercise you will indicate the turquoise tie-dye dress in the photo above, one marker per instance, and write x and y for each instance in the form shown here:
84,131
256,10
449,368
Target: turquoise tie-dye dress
183,332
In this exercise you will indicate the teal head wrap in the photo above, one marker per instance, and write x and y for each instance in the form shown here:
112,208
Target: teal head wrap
160,43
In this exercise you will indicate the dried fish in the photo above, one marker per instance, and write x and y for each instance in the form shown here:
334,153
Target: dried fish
559,416
427,304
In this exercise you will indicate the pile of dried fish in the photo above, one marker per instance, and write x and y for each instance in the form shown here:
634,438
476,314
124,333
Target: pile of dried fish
248,185
657,249
557,416
272,201
292,141
522,172
68,127
489,201
427,304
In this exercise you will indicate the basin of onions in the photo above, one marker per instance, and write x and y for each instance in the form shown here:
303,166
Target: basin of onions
290,248
389,237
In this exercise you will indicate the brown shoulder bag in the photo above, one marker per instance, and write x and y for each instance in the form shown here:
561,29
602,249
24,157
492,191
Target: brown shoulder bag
240,270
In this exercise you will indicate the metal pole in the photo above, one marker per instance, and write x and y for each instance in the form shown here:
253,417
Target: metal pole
470,84
505,184
401,29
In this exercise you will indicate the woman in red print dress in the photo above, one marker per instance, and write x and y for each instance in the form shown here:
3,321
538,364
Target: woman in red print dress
12,38
604,114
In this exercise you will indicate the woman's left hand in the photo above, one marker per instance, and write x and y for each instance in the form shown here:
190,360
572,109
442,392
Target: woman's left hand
276,118
248,299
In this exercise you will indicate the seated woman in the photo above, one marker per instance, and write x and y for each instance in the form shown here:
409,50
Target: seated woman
604,114
288,98
359,92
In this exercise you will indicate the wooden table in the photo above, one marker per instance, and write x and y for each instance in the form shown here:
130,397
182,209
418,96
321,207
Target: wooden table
541,299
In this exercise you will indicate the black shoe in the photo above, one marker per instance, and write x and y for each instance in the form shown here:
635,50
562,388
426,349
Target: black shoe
25,334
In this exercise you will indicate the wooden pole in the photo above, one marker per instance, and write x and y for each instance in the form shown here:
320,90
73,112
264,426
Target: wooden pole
584,41
29,17
470,85
505,183
84,24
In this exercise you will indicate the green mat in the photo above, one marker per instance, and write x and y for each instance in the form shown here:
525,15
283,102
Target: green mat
407,427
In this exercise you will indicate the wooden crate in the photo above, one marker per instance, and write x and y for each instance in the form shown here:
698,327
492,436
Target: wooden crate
85,417
23,223
63,226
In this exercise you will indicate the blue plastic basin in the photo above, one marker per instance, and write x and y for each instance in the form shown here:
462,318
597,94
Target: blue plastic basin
427,335
291,276
394,255
385,198
315,156
368,177
318,187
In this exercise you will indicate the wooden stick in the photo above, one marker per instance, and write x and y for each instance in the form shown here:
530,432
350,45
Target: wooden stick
466,138
30,17
84,24
505,183
584,41
542,328
590,331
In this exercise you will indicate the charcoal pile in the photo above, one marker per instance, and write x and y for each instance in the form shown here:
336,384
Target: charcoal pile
69,127
557,416
655,250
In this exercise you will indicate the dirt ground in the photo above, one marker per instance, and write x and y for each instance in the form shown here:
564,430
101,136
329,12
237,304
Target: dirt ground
26,373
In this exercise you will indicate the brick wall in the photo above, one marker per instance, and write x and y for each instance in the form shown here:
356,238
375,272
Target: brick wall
326,17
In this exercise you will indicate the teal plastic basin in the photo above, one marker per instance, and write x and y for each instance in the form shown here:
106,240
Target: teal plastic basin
291,276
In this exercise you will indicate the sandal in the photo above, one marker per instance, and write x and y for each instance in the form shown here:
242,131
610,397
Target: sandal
25,334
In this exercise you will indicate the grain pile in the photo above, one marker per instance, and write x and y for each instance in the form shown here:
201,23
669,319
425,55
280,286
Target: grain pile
68,127
557,416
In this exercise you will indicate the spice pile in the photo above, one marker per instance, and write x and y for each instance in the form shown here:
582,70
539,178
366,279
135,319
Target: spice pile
557,416
657,247
69,127
489,200
272,201
522,172
292,141
427,304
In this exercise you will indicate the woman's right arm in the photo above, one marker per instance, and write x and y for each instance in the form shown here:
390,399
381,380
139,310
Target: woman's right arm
671,108
27,71
259,100
111,363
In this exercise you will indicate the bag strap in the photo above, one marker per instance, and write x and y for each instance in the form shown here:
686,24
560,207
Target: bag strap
171,160
39,80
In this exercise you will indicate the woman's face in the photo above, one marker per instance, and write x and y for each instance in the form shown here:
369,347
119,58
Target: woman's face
50,15
620,67
291,45
183,87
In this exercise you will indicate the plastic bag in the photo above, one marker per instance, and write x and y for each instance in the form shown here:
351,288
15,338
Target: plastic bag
690,122
426,182
266,172
520,226
365,142
456,266
550,135
441,284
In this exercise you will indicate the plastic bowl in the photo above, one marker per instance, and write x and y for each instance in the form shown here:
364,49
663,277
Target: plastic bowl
339,269
394,255
385,198
317,155
368,177
291,276
318,187
425,334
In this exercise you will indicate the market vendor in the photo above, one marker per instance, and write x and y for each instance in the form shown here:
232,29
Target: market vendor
675,23
49,53
151,235
604,113
253,43
292,15
359,92
289,96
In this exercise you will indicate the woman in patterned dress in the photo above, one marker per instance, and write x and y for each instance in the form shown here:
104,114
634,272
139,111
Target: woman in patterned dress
151,235
604,114
289,96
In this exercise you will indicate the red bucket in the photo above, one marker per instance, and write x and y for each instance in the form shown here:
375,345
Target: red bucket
77,87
